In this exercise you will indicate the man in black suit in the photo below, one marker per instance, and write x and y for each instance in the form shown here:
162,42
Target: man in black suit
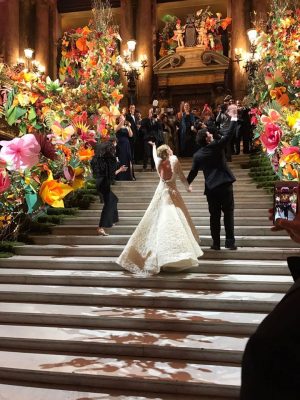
131,118
271,361
210,159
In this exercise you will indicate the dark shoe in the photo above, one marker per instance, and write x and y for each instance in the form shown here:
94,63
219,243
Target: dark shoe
215,247
231,247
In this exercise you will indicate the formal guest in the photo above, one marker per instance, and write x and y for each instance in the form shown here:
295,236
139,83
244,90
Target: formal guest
151,128
210,159
167,131
123,133
270,366
104,168
244,129
132,119
187,131
223,121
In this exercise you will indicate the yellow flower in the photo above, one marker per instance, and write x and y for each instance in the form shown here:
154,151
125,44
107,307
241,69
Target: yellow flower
52,192
293,119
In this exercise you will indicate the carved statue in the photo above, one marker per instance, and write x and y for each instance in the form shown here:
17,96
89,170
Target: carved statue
190,32
211,41
202,34
178,34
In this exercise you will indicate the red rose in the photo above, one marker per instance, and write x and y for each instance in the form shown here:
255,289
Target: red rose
271,136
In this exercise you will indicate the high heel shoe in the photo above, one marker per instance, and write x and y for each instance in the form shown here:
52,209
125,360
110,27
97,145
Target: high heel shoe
101,232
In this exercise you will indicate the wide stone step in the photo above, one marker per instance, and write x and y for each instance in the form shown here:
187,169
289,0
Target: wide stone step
90,230
86,220
157,319
15,392
197,188
194,197
140,374
165,345
243,253
194,212
250,267
140,297
242,241
142,204
183,281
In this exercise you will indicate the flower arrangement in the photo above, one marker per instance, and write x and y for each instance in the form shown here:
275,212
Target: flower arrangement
275,92
58,121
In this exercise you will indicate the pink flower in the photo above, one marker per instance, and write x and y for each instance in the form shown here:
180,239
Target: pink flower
4,180
297,83
290,150
20,153
270,138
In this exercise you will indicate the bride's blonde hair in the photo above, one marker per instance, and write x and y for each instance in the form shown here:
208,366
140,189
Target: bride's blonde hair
162,151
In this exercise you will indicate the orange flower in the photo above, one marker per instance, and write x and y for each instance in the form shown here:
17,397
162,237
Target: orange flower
289,170
116,95
280,96
67,152
85,154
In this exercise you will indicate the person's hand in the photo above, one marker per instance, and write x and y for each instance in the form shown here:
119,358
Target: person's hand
123,168
190,189
291,227
151,143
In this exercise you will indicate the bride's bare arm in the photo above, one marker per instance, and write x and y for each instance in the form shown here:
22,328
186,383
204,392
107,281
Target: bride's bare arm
182,177
155,158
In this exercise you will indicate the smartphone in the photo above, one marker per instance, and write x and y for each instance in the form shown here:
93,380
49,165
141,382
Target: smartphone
285,200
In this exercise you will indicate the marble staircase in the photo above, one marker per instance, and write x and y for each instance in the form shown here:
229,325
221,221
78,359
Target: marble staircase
73,325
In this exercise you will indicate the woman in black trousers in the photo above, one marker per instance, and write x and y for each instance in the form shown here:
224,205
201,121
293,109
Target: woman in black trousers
104,168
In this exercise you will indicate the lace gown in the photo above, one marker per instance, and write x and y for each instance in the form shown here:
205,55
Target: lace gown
166,236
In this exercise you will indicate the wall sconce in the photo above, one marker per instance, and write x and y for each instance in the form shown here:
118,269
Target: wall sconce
28,53
131,68
131,45
238,55
252,59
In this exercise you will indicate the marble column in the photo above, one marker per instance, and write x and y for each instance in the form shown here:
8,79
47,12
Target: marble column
126,23
55,34
27,25
145,22
42,46
240,13
126,33
9,30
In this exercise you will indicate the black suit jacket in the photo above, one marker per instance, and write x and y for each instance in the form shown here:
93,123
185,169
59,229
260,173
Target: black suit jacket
132,124
271,361
211,160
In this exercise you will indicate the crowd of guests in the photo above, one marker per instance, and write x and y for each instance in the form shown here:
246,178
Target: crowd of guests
177,130
115,160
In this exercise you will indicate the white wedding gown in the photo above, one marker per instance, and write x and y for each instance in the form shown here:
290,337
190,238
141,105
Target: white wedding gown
166,236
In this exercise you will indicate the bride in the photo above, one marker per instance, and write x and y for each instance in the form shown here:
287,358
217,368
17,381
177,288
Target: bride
166,236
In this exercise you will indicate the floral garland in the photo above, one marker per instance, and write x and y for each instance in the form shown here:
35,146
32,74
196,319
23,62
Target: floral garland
276,89
59,122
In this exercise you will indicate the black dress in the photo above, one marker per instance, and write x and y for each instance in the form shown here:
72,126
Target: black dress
124,154
104,168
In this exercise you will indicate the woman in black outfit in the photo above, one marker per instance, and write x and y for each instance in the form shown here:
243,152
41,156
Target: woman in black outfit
104,168
123,133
